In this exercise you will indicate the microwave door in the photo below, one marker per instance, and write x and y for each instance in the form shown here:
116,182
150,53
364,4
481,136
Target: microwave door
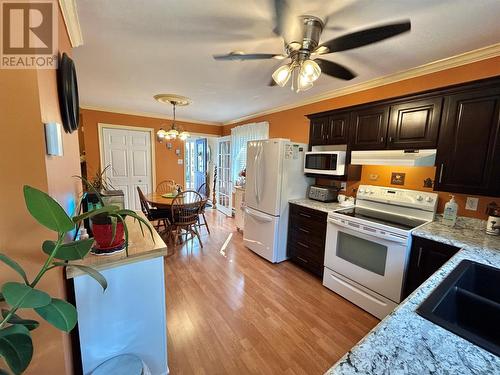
328,163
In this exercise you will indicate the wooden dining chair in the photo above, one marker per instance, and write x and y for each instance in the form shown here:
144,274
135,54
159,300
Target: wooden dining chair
161,216
166,186
203,190
186,207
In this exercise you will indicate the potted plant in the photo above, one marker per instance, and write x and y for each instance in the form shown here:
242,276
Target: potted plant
108,224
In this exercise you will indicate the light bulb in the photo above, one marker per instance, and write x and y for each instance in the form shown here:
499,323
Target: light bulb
303,83
183,136
311,70
282,75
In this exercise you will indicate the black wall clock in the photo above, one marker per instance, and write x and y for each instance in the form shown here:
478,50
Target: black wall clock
68,94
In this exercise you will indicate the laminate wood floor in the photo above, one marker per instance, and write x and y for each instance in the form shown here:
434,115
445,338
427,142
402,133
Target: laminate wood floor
231,312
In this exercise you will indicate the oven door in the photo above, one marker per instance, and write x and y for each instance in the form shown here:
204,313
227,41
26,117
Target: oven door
327,162
367,256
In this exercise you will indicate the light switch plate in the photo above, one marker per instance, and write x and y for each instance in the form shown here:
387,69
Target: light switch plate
373,177
180,161
471,203
343,186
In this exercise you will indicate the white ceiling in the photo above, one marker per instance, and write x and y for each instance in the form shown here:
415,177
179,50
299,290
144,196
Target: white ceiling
135,49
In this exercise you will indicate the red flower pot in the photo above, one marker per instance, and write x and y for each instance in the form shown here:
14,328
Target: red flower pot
103,233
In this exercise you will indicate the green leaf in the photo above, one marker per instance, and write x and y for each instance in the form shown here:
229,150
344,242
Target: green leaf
24,296
46,210
102,210
139,218
16,347
15,266
91,187
59,313
16,319
125,230
69,251
113,228
96,275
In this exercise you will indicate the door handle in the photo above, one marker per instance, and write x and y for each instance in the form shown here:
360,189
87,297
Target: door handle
441,172
419,256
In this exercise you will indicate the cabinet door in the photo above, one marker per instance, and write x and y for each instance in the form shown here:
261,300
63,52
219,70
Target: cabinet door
336,129
414,125
369,128
426,257
317,131
468,159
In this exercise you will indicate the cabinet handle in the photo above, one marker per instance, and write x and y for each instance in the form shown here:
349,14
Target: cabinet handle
390,139
304,215
303,244
381,139
304,230
441,172
419,256
302,259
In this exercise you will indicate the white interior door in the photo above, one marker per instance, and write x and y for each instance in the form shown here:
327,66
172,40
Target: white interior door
129,154
224,186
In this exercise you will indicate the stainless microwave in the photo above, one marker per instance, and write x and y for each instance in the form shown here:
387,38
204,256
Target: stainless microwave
330,163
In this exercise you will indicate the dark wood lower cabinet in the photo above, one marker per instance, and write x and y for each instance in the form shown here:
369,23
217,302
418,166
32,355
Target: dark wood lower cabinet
306,238
426,257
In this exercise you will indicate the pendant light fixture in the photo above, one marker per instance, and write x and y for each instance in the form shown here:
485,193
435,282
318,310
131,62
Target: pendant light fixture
174,131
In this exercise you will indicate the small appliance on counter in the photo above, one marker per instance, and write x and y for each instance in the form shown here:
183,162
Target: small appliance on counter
323,193
493,224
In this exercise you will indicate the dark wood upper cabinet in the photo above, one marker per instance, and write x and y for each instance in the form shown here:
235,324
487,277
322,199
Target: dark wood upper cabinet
414,124
468,158
337,129
317,131
369,128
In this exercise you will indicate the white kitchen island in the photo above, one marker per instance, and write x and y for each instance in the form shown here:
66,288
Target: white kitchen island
130,316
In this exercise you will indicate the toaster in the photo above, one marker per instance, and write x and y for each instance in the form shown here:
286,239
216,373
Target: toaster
323,193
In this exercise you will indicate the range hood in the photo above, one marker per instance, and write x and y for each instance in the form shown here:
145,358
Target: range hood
408,158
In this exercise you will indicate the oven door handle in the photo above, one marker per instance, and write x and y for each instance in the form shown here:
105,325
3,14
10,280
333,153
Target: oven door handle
365,229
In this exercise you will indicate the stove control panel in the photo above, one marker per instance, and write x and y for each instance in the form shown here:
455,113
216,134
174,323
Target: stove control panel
403,197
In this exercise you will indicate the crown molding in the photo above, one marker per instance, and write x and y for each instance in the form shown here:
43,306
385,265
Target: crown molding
435,66
70,16
148,114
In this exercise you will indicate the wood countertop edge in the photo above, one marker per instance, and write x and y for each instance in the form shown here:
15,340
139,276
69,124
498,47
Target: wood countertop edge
72,272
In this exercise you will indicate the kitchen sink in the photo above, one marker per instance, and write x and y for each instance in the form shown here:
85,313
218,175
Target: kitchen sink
467,303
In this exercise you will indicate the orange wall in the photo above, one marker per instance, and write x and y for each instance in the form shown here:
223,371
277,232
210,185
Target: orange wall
166,160
27,98
293,124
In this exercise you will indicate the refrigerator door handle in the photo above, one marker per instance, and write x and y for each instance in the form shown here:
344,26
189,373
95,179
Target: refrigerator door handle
258,216
256,175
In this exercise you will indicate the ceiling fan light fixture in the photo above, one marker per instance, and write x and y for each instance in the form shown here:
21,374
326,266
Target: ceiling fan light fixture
303,83
310,71
282,74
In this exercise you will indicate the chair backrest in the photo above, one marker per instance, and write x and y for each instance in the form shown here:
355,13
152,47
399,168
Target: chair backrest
166,186
186,207
144,203
203,190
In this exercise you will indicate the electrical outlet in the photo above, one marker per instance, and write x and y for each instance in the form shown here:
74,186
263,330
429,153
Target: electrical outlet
343,186
373,177
180,161
471,204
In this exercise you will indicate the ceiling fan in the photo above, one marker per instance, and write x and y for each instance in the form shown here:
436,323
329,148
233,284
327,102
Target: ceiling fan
301,35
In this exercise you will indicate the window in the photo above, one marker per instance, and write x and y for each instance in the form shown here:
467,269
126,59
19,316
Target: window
240,135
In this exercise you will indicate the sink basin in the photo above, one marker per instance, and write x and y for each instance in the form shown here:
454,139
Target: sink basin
467,303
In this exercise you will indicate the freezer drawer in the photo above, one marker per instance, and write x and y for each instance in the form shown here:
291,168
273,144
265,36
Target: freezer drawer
261,234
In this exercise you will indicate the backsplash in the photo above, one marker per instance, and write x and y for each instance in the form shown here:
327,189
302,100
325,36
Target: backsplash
414,178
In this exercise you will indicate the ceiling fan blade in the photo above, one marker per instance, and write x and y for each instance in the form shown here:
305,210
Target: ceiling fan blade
287,23
335,70
247,56
365,37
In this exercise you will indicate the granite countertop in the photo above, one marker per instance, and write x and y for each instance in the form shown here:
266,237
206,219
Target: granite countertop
140,248
316,205
406,343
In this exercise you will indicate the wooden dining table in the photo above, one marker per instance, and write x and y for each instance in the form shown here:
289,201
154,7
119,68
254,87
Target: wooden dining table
159,201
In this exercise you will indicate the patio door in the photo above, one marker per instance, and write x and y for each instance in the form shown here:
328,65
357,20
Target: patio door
224,186
128,152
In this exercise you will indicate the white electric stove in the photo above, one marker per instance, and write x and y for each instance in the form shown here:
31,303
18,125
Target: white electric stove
368,245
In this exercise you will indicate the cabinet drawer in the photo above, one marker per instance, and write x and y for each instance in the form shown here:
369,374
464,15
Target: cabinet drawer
305,214
308,264
308,251
312,237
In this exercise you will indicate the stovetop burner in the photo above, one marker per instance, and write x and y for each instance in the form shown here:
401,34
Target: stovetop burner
393,220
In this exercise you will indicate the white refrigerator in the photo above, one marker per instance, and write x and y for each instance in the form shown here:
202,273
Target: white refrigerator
275,174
